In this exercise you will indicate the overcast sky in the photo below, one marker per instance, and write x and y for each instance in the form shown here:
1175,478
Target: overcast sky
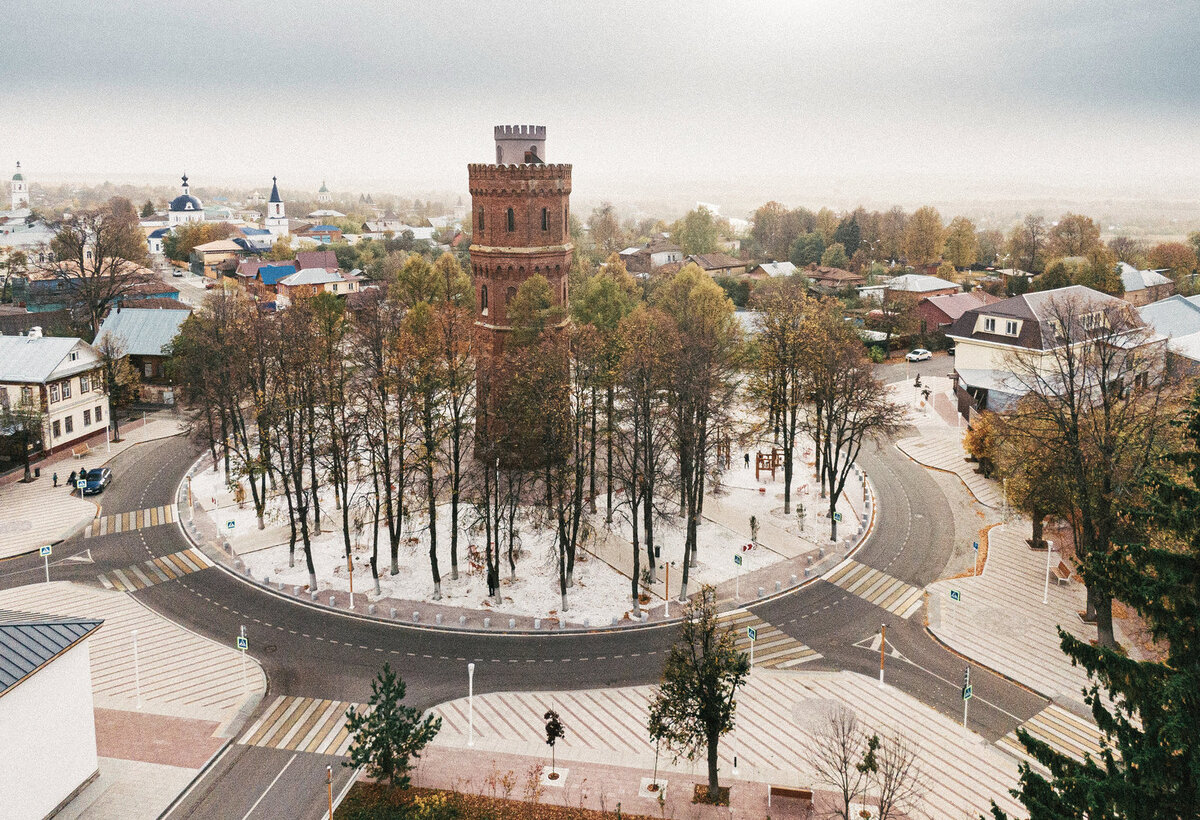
736,101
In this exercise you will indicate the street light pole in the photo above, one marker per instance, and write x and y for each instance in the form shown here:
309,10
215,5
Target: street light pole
329,782
1046,588
882,650
470,704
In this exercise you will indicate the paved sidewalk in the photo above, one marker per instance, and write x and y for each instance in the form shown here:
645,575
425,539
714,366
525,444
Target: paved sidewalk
779,714
35,514
157,720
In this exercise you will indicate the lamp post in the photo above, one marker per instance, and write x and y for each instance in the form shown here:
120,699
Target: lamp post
329,783
470,704
1046,588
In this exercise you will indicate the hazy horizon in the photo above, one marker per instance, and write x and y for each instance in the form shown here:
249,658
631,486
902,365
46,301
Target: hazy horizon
735,104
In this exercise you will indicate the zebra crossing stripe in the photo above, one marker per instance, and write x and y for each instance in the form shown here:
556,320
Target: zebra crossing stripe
155,571
876,587
136,520
302,724
774,648
1060,729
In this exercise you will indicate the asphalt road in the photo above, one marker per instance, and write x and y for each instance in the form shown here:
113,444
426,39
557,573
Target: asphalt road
310,652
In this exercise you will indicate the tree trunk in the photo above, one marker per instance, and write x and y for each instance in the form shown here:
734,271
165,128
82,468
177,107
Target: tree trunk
714,738
608,469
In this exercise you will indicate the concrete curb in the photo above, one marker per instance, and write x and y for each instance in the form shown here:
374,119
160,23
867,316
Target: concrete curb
221,556
174,804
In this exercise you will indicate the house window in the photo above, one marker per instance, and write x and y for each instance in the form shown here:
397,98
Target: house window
57,430
85,383
989,325
545,219
1010,327
87,418
27,395
481,219
483,300
149,368
69,423
99,414
66,389
512,220
53,393
74,355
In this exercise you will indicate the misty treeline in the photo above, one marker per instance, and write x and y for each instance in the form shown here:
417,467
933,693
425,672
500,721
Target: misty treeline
614,406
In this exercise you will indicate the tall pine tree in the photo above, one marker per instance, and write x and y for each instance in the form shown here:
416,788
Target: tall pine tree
1150,767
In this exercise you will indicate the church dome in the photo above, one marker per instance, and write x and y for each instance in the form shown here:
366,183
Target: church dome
17,177
186,202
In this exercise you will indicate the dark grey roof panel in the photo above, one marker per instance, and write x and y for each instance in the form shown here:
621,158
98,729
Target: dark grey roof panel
29,641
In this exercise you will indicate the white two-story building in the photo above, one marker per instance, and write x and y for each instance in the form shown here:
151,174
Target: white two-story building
63,377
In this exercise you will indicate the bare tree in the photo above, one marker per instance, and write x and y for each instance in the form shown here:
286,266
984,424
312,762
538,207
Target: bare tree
890,765
98,259
1098,396
839,752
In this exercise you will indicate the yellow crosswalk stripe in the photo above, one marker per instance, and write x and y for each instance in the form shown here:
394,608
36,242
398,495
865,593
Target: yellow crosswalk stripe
155,571
773,648
302,724
1060,729
876,587
136,520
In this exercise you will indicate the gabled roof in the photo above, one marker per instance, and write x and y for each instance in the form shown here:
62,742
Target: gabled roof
956,304
219,246
716,261
918,283
778,268
271,274
33,360
1135,280
29,642
1174,316
1037,309
316,259
824,273
311,276
143,332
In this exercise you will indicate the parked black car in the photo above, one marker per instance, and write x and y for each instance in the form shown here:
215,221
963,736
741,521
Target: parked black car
97,480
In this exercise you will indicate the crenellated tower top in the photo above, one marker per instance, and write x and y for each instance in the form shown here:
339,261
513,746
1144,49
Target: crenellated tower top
520,144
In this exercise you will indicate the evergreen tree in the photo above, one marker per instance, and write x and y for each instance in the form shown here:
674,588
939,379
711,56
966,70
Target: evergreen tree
388,736
1150,765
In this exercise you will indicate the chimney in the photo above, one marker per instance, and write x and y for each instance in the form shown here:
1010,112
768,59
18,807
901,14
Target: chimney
35,332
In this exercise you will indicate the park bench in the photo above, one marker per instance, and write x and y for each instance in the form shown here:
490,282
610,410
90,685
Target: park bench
1061,574
80,451
804,795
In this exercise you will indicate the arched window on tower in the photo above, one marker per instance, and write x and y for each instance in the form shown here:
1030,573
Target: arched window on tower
499,155
512,220
483,300
545,219
481,220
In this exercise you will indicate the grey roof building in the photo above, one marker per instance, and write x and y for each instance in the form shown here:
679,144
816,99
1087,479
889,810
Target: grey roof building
28,642
143,332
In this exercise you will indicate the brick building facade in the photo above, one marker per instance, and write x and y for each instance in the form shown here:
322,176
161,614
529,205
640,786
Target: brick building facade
519,216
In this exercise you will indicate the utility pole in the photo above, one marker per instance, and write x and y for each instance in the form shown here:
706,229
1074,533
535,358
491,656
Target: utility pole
470,704
882,650
329,782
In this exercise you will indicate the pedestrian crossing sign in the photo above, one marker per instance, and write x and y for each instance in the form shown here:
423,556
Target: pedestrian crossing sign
752,633
81,484
967,692
230,524
44,551
242,643
955,595
975,544
737,559
837,516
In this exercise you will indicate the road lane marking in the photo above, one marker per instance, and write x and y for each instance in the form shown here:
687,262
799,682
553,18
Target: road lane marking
273,782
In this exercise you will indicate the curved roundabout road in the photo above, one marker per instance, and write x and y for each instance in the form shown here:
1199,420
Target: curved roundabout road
311,652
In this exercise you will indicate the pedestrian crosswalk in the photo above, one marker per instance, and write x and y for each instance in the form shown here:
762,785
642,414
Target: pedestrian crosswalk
303,725
773,648
136,520
877,587
1064,731
155,571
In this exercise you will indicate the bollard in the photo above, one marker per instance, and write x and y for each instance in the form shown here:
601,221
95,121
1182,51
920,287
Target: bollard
462,620
537,623
793,580
808,560
778,586
438,619
585,623
266,580
645,616
249,573
296,590
562,625
487,623
761,592
820,552
313,595
512,623
281,586
416,617
370,609
332,601
392,613
614,621
806,571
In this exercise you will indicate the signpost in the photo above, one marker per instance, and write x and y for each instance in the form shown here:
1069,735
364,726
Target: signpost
752,634
966,693
470,704
975,545
243,644
230,524
1046,588
882,650
737,577
81,485
45,553
837,516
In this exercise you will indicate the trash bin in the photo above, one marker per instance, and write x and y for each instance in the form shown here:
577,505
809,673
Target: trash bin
37,472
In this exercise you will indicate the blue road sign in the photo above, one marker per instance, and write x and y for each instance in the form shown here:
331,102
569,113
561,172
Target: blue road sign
737,559
837,516
242,643
967,692
44,551
955,595
975,545
229,525
81,484
752,633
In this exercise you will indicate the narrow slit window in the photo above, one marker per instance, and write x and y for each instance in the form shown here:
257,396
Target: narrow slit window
512,220
545,219
481,220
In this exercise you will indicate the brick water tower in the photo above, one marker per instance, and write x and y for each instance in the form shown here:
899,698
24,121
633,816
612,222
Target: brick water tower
519,213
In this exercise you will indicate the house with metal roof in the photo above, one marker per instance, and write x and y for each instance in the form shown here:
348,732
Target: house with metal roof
63,378
1178,319
1144,286
143,335
311,281
919,285
49,740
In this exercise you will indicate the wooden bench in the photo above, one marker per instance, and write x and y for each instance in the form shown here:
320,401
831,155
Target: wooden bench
80,451
1061,574
804,795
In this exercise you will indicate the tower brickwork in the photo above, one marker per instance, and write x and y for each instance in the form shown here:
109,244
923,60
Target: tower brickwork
519,223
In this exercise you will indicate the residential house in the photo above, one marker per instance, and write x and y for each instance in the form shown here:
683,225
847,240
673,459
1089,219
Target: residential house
1178,319
311,281
325,234
936,313
326,260
155,240
919,285
1144,286
654,254
143,335
62,376
206,259
824,279
771,270
717,264
990,339
49,738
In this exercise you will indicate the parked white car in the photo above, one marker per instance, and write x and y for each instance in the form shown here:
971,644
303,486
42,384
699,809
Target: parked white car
919,355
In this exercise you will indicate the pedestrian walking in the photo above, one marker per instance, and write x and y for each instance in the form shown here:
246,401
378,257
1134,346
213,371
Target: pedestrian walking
747,457
71,481
55,477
